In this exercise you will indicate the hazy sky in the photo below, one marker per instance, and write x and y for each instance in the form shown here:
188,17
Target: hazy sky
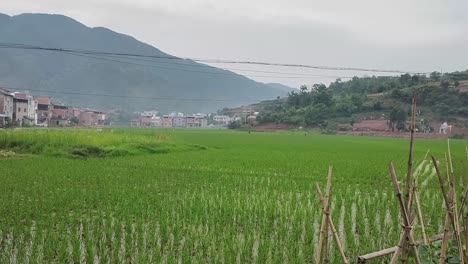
416,35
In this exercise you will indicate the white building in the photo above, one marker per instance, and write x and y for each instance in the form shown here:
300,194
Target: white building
167,121
6,108
179,121
150,113
25,109
222,119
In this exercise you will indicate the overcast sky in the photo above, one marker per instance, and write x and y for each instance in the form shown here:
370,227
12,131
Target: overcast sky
416,35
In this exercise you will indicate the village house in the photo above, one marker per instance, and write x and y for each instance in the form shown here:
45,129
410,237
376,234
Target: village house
92,118
147,119
6,108
221,119
44,108
24,109
179,121
196,122
60,115
167,121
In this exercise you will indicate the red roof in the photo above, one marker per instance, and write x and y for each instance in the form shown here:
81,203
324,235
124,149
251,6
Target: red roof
4,91
42,99
21,96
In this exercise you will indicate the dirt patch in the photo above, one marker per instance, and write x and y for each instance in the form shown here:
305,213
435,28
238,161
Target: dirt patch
371,125
272,127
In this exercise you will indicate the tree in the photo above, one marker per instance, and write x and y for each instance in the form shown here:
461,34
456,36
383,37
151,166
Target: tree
445,85
405,79
234,124
322,95
317,115
74,120
456,83
435,76
397,118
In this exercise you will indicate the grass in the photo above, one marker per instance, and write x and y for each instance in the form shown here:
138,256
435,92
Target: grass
199,196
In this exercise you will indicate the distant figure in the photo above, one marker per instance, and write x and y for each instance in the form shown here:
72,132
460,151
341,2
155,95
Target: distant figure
443,128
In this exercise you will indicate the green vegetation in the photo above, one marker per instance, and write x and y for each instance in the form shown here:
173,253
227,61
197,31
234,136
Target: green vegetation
214,195
85,143
439,98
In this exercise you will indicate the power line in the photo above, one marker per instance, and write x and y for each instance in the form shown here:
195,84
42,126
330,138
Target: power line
185,70
136,97
103,57
215,61
227,69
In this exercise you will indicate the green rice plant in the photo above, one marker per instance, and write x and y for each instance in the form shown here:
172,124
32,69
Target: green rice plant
179,196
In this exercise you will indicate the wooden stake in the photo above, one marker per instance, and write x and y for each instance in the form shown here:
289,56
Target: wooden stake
443,250
323,238
409,171
466,236
449,205
457,226
463,202
450,156
406,220
420,215
332,226
387,251
418,201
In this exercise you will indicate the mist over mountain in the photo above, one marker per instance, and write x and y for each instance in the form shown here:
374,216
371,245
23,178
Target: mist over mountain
150,78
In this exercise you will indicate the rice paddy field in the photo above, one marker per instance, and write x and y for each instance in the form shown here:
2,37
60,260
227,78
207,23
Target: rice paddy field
203,196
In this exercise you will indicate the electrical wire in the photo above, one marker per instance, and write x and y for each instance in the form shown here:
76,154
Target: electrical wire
204,60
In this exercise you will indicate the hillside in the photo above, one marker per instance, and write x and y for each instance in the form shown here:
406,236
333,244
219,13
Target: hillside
387,100
45,70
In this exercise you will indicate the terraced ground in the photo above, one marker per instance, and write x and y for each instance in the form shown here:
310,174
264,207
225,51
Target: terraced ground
201,196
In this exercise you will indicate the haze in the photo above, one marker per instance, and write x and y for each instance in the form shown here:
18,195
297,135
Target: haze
404,35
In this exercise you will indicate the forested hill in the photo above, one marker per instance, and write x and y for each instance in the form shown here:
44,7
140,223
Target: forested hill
439,97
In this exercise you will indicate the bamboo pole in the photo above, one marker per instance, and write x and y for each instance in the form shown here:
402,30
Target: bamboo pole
406,220
409,171
457,227
443,250
332,226
449,206
387,251
420,215
466,236
447,167
418,200
399,248
326,256
326,249
463,202
323,238
318,256
450,156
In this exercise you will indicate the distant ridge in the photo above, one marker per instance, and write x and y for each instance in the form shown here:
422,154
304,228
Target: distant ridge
68,73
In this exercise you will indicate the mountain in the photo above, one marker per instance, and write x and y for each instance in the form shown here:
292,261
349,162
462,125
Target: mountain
147,78
281,87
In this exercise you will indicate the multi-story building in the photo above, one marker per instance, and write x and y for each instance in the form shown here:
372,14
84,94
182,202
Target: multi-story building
179,121
6,108
44,108
167,121
60,115
196,121
24,109
92,118
221,119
